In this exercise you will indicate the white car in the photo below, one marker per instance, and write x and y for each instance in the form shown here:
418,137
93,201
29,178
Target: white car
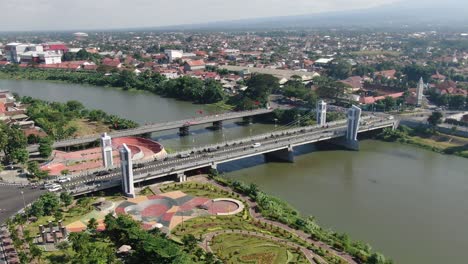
256,145
63,179
55,188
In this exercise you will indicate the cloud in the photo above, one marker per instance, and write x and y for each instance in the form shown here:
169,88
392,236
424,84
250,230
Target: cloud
102,14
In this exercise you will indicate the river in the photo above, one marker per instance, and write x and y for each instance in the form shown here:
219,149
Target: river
408,203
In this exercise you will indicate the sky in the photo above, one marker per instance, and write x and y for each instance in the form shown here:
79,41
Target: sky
20,15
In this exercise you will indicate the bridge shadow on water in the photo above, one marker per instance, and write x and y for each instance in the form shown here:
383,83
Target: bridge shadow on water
260,159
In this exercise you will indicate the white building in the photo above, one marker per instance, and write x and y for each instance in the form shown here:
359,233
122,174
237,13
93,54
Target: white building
46,57
174,54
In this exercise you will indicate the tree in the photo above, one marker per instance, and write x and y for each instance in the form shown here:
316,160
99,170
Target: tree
340,69
37,208
92,225
45,147
435,119
66,199
389,103
328,88
51,203
190,242
20,155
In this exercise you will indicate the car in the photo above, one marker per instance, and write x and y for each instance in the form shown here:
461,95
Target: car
256,145
138,166
183,155
212,149
54,188
63,179
102,173
48,185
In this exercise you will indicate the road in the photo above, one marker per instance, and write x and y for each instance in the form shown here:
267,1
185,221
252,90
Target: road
224,152
150,128
11,200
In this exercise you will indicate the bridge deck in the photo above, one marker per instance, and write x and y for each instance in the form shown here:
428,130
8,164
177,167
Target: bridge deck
227,151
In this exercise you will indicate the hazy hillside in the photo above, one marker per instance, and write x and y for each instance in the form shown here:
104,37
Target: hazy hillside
417,13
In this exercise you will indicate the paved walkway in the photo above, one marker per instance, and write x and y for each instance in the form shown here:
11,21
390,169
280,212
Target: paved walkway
257,216
304,236
207,238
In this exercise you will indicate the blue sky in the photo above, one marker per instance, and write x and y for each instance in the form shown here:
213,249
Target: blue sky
103,14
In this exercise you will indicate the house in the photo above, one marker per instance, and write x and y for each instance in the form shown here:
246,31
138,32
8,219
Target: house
194,65
372,99
389,74
354,82
438,77
449,87
115,63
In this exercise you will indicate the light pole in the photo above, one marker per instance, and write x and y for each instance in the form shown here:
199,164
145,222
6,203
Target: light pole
276,120
298,119
24,204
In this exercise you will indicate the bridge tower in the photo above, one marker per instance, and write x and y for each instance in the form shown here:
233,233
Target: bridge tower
321,113
420,92
106,148
354,118
126,165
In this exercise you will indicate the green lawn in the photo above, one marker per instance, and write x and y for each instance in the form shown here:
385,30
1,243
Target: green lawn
237,248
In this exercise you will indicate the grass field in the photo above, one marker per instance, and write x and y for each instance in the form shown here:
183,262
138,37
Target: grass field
84,127
202,225
375,53
237,248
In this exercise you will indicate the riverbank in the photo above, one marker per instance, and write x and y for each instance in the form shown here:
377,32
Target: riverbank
184,88
427,139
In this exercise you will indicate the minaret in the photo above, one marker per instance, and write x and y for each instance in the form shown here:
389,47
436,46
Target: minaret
321,113
419,92
126,165
106,146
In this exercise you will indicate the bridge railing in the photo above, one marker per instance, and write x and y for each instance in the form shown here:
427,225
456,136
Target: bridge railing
230,115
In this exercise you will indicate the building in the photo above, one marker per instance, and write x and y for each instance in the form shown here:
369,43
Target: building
13,50
174,54
46,57
126,164
194,65
57,47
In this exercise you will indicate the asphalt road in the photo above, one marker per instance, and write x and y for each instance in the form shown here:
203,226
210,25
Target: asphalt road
231,150
11,200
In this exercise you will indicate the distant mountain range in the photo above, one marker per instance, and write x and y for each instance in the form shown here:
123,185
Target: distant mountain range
424,14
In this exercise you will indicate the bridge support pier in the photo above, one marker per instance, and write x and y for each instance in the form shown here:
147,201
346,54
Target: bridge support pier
218,125
247,120
184,131
282,155
181,177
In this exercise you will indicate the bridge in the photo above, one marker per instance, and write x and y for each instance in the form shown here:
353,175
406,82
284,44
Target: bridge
182,125
276,146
